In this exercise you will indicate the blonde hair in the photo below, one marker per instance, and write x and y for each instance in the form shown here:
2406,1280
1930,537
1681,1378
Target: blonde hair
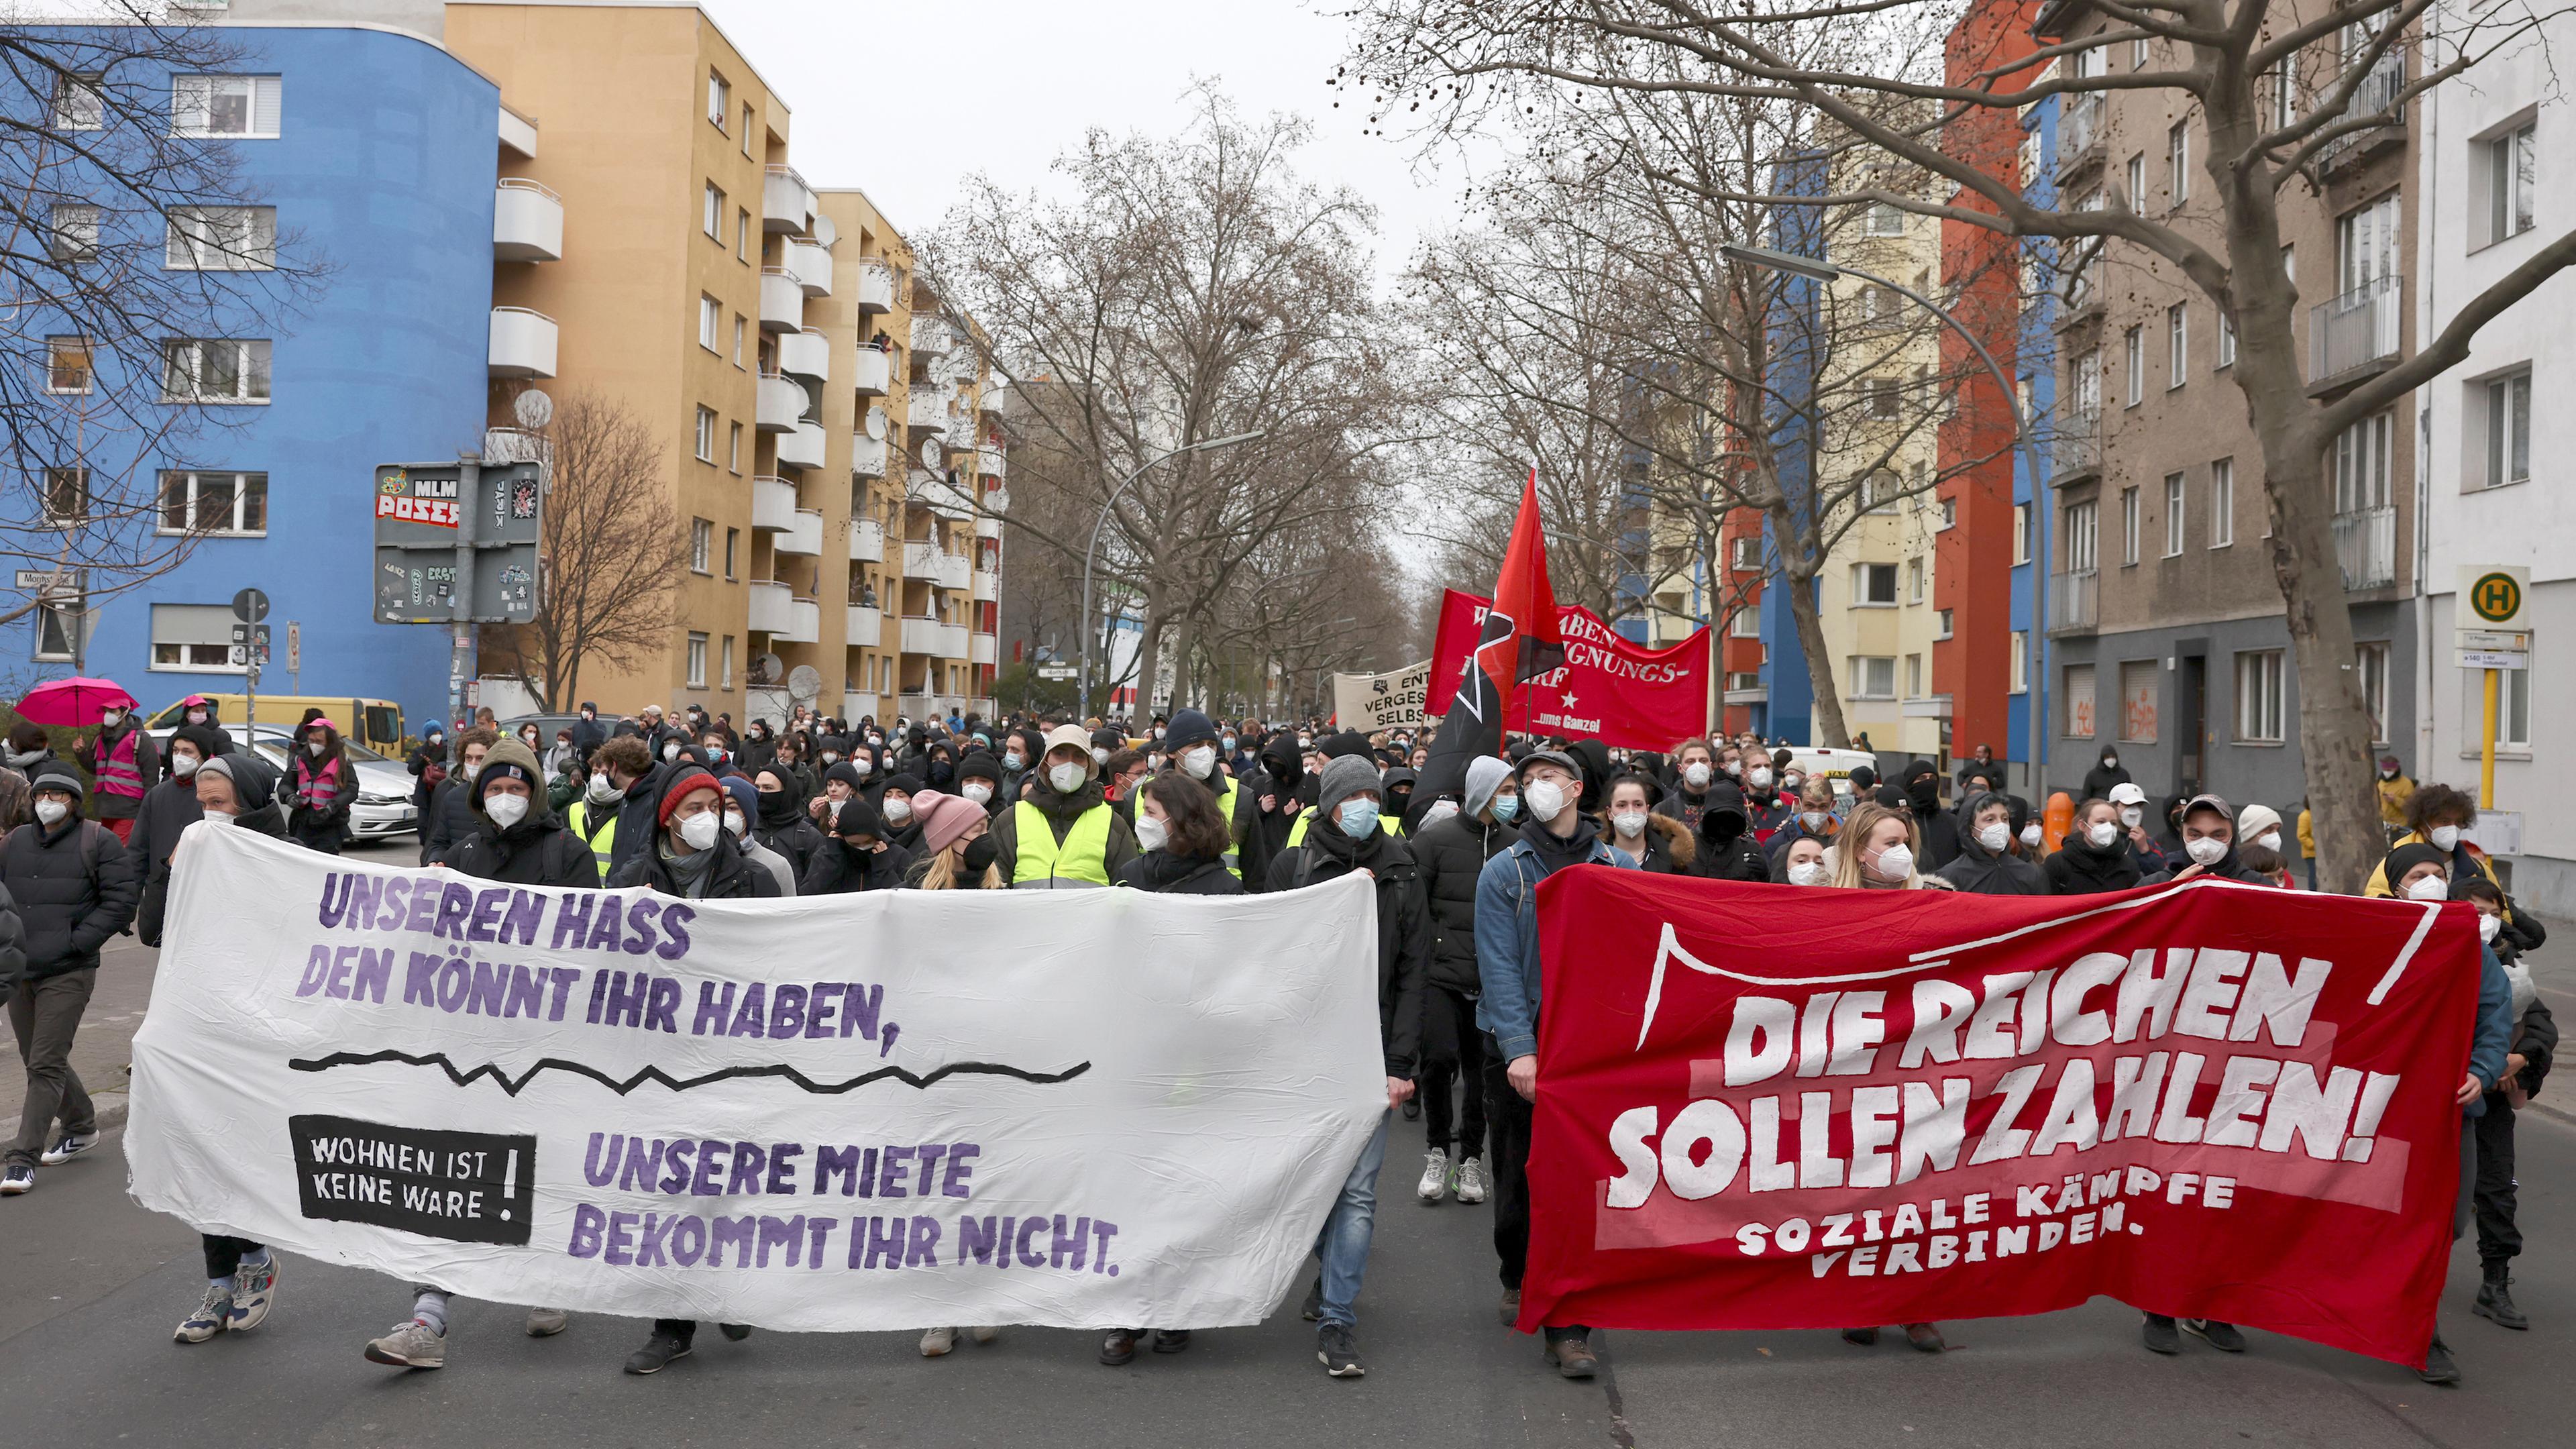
941,873
1853,842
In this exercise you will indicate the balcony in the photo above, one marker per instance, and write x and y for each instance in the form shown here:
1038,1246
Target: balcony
926,410
2354,337
920,635
2075,452
933,492
2082,302
987,526
867,626
875,372
915,706
985,588
867,541
513,445
773,505
858,706
2083,136
527,222
804,534
988,461
786,202
952,641
867,457
2075,602
980,649
806,354
2366,546
2376,96
782,302
991,399
804,623
782,404
773,607
951,570
811,264
876,286
932,336
802,448
997,500
523,343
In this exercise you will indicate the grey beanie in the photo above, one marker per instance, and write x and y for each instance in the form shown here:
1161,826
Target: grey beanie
1343,778
1558,758
1485,775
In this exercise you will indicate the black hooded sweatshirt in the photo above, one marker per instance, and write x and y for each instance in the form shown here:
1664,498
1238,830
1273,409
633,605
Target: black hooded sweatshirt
1727,850
837,869
1979,871
2077,869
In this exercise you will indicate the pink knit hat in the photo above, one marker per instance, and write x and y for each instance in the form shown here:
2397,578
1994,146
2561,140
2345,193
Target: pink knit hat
943,818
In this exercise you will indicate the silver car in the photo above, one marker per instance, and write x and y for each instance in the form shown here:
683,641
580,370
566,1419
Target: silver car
383,808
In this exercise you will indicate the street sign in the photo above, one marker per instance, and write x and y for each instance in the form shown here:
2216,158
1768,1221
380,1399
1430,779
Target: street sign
294,647
2517,640
1055,671
250,606
2491,595
2494,659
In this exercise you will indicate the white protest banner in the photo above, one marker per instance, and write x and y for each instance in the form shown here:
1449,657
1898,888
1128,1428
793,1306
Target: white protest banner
1370,702
888,1110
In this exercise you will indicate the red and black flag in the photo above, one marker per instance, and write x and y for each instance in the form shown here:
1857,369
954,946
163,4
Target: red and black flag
1519,640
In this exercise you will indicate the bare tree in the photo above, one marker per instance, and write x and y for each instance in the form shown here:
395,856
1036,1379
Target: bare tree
614,554
2277,88
128,237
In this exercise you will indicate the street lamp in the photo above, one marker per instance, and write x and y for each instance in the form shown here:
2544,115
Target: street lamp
1093,549
1820,270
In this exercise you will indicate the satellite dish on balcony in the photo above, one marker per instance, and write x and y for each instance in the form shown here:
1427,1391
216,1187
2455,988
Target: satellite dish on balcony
765,669
804,684
877,424
930,452
533,409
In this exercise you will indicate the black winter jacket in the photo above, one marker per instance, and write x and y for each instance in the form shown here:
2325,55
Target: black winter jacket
1178,875
74,886
168,808
2077,869
838,870
1403,929
1981,872
533,852
737,877
1727,850
1452,854
449,819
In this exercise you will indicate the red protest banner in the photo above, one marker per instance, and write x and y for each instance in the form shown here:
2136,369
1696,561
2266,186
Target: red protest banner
1608,688
1773,1107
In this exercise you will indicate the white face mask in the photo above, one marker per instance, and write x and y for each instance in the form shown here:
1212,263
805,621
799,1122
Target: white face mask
196,716
2101,833
1545,799
1695,775
1792,780
1199,760
52,811
1994,837
1896,863
735,823
313,748
2031,836
864,765
2488,926
2130,815
699,830
1629,823
2207,850
1066,778
671,751
978,792
897,810
1099,756
183,765
506,810
2430,888
2445,837
601,789
2269,840
1807,873
1759,779
1438,811
1150,832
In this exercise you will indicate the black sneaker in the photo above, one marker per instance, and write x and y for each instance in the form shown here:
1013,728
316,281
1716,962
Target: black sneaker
2217,1334
1314,1310
2495,1302
2438,1368
1119,1347
1171,1340
2160,1334
1509,1310
734,1332
17,1180
657,1354
1339,1351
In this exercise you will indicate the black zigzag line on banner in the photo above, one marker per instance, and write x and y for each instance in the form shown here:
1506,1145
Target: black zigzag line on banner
656,1074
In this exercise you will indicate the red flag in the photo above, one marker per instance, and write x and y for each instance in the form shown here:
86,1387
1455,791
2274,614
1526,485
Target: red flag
1521,639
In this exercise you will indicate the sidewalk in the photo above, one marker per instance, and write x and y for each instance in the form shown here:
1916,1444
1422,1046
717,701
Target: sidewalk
100,1052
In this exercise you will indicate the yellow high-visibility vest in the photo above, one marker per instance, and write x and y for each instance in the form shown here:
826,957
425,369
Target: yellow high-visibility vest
601,841
1083,858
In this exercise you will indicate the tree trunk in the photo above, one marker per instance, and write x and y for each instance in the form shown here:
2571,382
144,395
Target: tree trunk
1149,650
1183,664
1829,727
2334,723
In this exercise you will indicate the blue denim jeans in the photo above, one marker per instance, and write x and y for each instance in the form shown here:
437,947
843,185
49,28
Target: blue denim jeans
1344,1244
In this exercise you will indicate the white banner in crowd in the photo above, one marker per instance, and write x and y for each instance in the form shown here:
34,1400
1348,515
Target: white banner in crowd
1372,702
890,1110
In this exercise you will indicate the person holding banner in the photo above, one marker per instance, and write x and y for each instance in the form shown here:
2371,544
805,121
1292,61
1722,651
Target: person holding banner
1655,842
1987,865
1187,848
1555,835
2095,856
1453,852
856,857
1350,836
1726,850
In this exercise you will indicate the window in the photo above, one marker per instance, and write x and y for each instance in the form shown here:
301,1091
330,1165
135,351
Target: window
724,664
66,496
2021,533
719,100
67,364
1941,624
2370,666
2020,661
2177,344
2076,696
78,104
2138,53
2133,361
710,323
1878,395
1915,579
2226,340
2136,177
1913,676
215,370
2083,537
1873,676
2361,463
221,239
1879,491
2366,244
738,329
1747,623
1883,219
2138,701
1949,512
2258,696
2178,162
701,542
2513,710
706,435
742,235
2222,503
2510,169
225,105
1873,585
2173,514
733,447
194,638
1748,552
2285,92
58,627
234,504
72,232
2129,534
713,221
2508,427
733,549
697,661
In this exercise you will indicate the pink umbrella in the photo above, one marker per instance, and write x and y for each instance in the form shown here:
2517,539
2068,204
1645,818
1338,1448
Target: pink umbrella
72,702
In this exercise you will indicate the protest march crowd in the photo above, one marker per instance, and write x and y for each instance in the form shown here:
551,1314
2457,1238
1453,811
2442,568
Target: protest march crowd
690,806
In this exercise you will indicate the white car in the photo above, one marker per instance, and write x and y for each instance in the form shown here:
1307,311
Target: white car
383,808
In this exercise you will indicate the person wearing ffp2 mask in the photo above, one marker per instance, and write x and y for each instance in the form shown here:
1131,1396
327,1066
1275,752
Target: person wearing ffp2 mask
1064,835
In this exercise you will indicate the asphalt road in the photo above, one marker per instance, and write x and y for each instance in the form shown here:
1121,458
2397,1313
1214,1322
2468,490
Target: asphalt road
94,1285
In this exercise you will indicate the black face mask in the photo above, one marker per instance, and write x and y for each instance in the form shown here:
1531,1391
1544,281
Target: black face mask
979,854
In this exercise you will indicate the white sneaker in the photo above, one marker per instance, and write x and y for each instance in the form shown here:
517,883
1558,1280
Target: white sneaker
1471,1181
986,1333
409,1344
254,1293
1435,1176
937,1342
209,1318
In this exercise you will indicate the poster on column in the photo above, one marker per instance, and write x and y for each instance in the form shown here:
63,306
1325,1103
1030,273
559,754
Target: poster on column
1610,688
1772,1107
894,1109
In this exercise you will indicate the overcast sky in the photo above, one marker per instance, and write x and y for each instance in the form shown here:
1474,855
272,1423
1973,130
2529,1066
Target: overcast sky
905,100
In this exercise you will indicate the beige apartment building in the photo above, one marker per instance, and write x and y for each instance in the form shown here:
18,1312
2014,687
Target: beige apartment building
2166,626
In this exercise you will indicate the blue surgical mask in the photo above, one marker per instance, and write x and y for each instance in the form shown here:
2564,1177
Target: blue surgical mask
1505,807
1228,742
1357,816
